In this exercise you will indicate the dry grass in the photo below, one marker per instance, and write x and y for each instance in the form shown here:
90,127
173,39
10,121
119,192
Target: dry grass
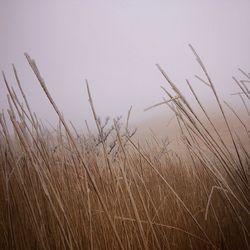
62,190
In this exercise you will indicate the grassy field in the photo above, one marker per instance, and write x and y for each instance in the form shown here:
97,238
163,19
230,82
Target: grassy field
64,190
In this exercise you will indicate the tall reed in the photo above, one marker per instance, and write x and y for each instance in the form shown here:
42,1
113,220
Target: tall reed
65,190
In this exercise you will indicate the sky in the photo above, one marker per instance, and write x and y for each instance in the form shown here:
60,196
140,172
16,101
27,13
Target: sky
115,44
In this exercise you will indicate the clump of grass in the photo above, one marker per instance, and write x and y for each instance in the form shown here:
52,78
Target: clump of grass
64,190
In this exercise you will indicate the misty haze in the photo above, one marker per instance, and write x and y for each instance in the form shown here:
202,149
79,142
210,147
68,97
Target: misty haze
124,124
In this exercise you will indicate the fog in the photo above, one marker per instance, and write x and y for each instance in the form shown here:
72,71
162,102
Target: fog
115,44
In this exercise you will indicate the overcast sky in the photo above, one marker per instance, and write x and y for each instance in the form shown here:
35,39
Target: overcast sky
115,45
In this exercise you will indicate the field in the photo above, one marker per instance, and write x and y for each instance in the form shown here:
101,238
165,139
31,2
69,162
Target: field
65,190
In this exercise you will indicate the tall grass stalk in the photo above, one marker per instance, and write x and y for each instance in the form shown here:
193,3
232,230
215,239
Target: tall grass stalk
65,190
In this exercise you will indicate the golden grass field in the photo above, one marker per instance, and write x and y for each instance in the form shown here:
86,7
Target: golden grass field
64,190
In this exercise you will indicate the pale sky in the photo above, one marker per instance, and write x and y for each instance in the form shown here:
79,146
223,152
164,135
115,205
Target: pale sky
115,45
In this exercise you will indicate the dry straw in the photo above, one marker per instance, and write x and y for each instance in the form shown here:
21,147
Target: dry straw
65,190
